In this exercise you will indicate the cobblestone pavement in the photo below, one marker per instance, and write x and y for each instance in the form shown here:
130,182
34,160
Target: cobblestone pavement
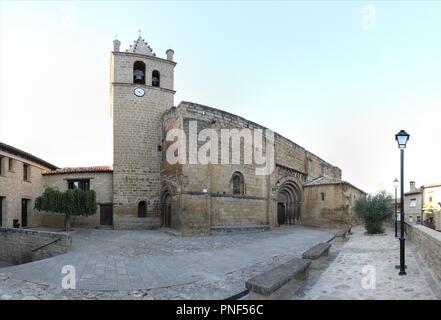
155,265
342,278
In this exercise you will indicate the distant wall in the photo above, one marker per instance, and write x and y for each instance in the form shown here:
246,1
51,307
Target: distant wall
429,243
330,205
18,245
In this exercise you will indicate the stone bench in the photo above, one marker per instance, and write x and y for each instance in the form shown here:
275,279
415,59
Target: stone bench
279,282
317,253
341,235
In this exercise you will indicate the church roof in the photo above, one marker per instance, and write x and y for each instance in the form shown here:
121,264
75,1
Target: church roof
141,46
80,170
325,180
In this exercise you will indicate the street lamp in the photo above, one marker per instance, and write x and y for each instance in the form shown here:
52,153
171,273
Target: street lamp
395,213
402,137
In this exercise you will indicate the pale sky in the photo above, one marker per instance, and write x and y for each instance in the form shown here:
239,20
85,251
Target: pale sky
338,78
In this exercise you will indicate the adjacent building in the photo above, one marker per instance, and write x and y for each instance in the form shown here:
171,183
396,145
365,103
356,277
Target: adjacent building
424,203
413,203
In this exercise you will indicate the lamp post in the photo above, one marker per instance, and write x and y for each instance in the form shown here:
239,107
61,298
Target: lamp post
402,137
395,213
422,205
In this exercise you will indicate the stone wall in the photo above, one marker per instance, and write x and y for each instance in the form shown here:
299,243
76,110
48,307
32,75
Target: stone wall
13,188
22,245
100,182
335,210
428,242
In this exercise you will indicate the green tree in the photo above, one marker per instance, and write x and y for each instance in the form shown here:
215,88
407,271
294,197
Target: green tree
75,202
374,210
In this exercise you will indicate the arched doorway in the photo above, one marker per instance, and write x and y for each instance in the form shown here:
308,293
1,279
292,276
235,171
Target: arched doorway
288,203
142,209
166,209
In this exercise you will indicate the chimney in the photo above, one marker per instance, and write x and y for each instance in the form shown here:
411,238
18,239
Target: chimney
170,54
116,45
412,186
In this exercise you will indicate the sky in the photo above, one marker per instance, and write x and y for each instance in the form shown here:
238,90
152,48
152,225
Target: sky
338,78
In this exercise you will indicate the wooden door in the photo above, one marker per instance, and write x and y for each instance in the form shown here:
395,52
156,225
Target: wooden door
281,208
167,212
1,211
106,214
24,212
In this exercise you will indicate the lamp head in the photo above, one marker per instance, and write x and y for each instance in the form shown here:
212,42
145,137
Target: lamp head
402,137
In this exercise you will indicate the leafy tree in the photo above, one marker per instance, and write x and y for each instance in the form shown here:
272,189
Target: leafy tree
72,202
374,210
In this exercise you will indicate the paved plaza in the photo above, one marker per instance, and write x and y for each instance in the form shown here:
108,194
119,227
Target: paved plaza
349,263
156,265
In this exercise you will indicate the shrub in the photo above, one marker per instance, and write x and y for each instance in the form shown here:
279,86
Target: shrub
74,202
374,210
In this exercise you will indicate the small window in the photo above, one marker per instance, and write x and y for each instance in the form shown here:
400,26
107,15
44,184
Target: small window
412,203
142,209
322,196
25,172
11,165
238,183
139,72
83,184
430,199
155,78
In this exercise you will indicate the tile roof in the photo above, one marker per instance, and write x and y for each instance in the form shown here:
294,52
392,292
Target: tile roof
80,170
325,180
26,155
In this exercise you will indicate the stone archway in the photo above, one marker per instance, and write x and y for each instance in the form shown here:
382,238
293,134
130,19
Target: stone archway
288,203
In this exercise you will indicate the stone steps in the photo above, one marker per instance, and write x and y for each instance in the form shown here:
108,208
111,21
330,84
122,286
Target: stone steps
238,229
136,223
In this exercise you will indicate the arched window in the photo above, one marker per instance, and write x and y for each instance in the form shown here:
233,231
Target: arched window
238,183
139,72
155,78
142,209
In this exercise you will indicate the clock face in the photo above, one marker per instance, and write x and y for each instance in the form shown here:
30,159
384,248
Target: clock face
139,92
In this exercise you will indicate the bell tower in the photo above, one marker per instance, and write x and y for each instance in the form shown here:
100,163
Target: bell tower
141,90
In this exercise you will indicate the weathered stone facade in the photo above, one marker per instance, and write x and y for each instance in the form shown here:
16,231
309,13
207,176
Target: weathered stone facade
329,203
14,189
202,196
137,131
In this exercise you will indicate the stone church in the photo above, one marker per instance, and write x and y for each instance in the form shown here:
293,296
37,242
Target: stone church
142,190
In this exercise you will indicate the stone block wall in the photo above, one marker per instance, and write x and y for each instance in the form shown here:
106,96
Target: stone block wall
20,245
137,133
428,242
194,211
336,210
13,189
